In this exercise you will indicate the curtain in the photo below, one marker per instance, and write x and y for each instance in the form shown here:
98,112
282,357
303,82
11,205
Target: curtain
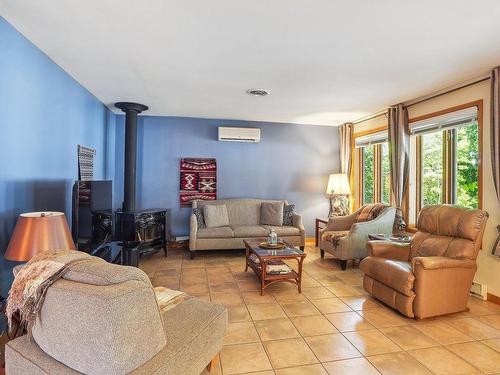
345,132
399,147
495,141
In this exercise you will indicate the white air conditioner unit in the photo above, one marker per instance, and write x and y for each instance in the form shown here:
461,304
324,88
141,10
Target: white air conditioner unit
239,134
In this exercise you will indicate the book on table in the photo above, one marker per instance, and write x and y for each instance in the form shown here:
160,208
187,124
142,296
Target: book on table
273,266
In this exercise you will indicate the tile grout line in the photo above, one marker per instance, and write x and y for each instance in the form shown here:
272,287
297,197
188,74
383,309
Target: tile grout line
319,280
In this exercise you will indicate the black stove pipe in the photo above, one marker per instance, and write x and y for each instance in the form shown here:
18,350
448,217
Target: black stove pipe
131,111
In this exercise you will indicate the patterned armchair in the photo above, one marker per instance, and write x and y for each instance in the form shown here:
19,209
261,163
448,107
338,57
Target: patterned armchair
346,237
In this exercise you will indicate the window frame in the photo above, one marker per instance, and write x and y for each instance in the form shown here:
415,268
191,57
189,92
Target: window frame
377,167
449,155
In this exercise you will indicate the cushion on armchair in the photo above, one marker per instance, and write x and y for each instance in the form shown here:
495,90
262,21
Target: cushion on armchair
334,236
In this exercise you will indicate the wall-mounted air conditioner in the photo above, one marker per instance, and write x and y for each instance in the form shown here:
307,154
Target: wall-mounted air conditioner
227,134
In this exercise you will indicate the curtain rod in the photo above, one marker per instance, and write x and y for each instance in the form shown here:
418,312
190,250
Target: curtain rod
424,98
369,117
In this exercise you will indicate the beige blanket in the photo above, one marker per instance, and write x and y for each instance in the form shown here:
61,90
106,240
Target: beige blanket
169,298
30,284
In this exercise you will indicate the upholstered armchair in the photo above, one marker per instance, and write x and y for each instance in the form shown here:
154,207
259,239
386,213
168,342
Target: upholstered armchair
431,276
345,237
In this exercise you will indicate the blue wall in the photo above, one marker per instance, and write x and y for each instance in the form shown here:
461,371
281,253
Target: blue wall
291,162
45,114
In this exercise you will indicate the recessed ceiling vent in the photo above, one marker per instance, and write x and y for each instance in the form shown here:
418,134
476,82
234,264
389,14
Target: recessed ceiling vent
258,92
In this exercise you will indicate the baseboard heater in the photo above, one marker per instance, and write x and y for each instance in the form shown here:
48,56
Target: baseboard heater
479,290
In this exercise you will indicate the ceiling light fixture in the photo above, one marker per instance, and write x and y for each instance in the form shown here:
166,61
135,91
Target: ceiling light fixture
258,92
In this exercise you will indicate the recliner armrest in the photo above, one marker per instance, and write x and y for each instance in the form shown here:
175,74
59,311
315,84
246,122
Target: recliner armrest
389,250
434,263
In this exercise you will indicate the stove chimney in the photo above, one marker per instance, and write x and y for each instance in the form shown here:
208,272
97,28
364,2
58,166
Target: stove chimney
131,111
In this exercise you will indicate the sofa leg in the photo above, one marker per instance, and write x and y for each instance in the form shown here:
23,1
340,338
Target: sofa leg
322,252
191,254
302,248
213,363
343,264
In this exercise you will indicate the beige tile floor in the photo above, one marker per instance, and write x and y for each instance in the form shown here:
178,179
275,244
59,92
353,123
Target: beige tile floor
333,327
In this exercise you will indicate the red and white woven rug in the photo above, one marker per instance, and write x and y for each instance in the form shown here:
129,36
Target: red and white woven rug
198,180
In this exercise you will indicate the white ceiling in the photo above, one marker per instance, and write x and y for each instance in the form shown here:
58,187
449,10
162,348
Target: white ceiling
324,61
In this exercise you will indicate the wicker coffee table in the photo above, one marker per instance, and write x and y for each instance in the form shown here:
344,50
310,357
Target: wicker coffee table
276,257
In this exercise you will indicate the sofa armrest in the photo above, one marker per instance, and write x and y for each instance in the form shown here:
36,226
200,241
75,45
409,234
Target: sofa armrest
297,221
389,250
340,222
193,231
434,263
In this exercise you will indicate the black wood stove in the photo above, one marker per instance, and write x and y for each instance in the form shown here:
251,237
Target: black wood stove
149,229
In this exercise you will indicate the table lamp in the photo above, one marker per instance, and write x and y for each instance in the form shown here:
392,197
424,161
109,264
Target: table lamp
36,232
338,189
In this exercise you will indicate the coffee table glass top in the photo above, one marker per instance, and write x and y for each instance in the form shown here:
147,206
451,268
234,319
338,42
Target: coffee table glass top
287,251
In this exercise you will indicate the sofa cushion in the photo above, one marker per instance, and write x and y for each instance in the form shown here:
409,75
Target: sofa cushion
245,231
271,213
215,216
220,232
393,273
288,214
191,344
200,219
284,230
241,211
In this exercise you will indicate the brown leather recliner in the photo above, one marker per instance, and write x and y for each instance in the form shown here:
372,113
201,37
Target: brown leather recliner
431,276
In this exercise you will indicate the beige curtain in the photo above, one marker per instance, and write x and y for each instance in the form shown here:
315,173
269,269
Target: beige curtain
345,132
495,140
399,147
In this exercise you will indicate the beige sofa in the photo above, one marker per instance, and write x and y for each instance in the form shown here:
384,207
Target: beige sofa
244,223
104,319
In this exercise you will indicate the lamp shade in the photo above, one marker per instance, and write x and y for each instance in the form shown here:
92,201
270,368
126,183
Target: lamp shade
338,183
36,232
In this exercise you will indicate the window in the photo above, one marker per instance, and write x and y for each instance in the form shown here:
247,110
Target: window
385,173
367,174
466,167
374,167
448,158
431,172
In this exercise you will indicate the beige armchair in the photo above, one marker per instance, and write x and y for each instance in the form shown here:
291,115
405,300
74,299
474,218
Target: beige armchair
431,276
345,237
101,318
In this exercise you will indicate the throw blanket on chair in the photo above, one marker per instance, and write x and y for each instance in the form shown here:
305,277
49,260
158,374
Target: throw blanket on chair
31,283
370,212
367,213
168,298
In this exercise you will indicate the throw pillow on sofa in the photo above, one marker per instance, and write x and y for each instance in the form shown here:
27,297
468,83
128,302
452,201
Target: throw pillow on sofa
288,214
199,218
216,215
271,213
